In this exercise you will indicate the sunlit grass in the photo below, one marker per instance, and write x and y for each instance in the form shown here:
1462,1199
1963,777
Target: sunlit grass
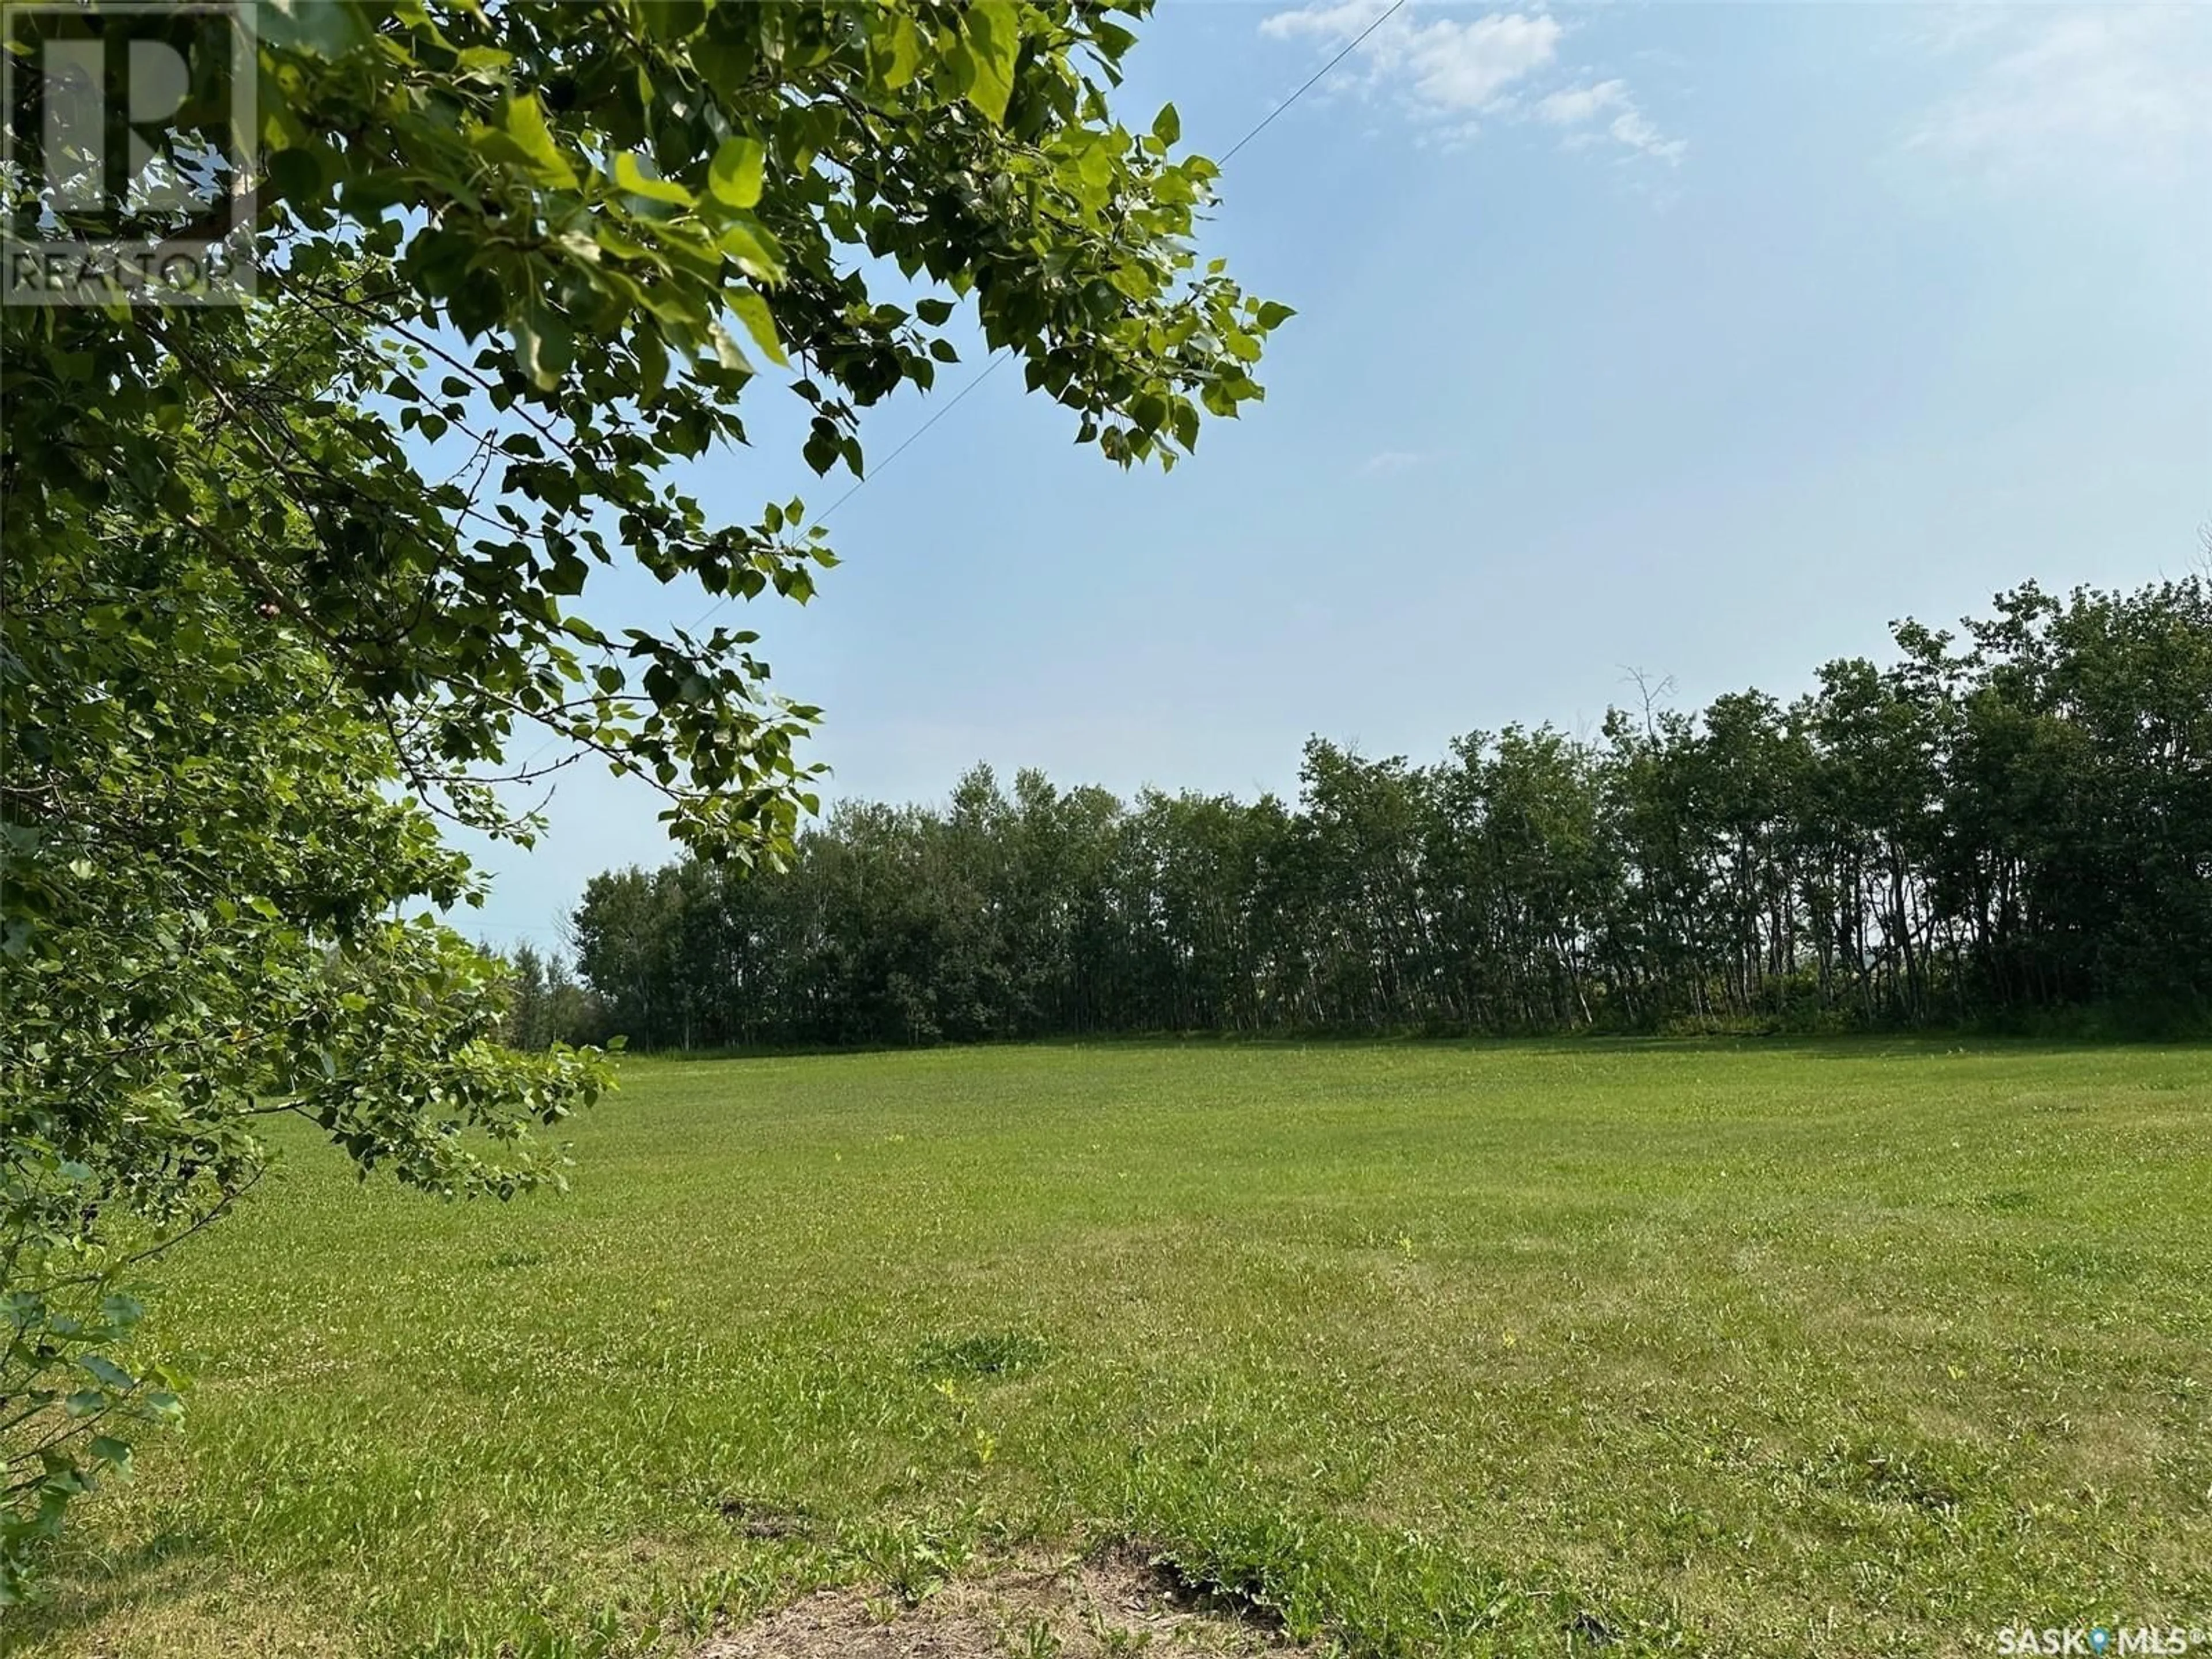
1844,1349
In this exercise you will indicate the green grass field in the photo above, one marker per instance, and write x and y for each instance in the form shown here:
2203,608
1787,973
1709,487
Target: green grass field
1779,1348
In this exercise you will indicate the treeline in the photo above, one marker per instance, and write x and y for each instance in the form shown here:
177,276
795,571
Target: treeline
2001,826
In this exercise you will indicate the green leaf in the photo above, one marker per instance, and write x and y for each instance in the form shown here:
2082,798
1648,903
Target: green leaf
116,1454
629,175
935,312
672,20
122,1311
754,250
1167,126
894,47
992,31
543,344
108,1372
726,349
522,139
752,311
482,62
328,29
162,1406
1112,39
295,174
735,174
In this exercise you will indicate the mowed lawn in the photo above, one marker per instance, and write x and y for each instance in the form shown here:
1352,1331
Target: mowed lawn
1851,1348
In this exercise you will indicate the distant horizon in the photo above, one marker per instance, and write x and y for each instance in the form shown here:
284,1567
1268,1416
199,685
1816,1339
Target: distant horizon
1665,697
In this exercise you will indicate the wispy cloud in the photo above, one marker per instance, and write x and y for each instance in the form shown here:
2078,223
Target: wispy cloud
1456,71
1388,463
2117,88
1608,102
1578,103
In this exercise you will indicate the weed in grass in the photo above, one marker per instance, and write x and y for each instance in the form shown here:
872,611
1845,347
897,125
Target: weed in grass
996,1353
760,1520
912,1561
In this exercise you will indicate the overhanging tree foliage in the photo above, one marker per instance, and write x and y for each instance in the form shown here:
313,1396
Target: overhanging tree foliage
2010,827
285,582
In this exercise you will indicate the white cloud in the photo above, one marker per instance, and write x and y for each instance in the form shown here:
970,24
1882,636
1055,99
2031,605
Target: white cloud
1450,66
2116,87
1630,127
1388,463
1467,66
1339,21
1578,103
1451,70
1577,106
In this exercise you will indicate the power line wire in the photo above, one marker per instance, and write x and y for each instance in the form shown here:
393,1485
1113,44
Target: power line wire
1000,357
1357,41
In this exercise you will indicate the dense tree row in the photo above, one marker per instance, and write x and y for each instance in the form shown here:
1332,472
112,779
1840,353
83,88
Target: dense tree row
2002,823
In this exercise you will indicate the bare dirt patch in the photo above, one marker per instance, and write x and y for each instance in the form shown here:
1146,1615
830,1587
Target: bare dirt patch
1114,1603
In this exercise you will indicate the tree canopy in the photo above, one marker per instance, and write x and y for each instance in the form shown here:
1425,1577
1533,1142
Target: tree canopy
287,583
2014,826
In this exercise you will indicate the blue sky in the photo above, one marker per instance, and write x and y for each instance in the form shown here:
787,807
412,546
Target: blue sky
1698,339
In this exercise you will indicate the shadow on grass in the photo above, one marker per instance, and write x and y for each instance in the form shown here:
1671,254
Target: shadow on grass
88,1585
